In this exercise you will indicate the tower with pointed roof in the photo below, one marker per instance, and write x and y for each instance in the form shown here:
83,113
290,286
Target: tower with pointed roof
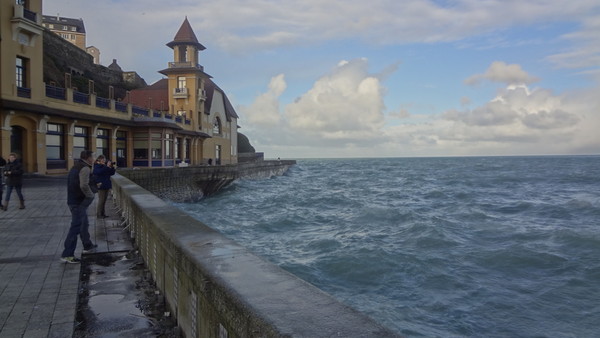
188,99
186,79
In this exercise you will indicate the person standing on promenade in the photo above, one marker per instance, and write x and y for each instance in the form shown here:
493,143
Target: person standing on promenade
103,170
14,180
2,164
80,194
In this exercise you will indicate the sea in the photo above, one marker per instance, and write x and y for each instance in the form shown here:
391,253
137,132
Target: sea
433,247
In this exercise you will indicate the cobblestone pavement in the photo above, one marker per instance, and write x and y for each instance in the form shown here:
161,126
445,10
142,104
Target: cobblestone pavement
38,292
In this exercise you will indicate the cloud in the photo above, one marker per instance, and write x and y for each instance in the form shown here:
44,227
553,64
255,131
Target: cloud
264,111
343,115
343,107
244,26
503,73
346,104
585,49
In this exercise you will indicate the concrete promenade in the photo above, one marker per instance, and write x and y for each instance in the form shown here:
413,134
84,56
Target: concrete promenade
38,292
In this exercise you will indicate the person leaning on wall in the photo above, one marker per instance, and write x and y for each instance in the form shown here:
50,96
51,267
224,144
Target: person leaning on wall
103,170
13,172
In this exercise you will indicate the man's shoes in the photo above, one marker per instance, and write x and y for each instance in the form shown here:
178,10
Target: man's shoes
70,260
90,249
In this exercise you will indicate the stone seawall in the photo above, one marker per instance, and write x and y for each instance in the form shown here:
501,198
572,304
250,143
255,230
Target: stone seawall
186,184
215,287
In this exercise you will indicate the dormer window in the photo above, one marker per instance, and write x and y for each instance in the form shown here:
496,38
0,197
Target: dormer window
217,126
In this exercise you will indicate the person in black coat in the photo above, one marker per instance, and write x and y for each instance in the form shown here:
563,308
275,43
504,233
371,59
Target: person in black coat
2,164
103,170
13,172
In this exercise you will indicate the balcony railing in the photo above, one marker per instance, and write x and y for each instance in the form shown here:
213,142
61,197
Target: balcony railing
180,93
56,92
29,15
185,65
102,103
79,97
120,106
74,96
140,111
24,92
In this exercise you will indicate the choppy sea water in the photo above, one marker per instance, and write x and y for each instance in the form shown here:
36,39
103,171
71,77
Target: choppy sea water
481,246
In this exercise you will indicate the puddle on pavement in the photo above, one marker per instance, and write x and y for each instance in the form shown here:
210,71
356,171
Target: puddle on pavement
117,298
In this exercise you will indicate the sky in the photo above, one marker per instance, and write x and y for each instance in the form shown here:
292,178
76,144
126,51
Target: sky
379,78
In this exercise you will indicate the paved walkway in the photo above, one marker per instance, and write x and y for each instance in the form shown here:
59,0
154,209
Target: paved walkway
38,292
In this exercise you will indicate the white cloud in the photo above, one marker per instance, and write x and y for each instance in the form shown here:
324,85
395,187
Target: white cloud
343,115
585,51
344,107
264,111
346,104
245,26
503,73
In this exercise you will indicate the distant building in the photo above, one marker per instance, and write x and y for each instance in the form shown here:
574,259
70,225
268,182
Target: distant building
72,30
95,53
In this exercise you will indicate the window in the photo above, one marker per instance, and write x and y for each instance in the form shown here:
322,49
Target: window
80,141
183,54
140,145
121,148
74,29
186,148
65,28
169,146
55,142
218,154
178,147
102,139
181,82
51,26
21,72
217,126
156,146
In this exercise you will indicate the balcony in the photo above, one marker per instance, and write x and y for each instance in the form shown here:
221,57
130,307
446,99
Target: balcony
56,92
140,111
26,26
185,65
180,93
102,103
24,92
79,97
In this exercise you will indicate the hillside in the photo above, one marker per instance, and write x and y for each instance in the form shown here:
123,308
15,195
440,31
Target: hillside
62,57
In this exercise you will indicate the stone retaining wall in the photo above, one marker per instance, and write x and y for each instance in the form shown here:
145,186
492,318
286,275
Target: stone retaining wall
215,287
193,183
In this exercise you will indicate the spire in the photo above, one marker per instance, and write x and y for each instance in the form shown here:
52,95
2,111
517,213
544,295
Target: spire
186,36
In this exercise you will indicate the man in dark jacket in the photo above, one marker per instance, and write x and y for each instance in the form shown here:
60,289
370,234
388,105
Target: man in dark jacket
13,171
2,164
103,170
80,195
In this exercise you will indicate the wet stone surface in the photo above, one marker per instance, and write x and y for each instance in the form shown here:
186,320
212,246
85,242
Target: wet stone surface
118,298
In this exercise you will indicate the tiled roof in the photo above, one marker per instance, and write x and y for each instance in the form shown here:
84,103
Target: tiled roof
186,36
155,95
159,92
